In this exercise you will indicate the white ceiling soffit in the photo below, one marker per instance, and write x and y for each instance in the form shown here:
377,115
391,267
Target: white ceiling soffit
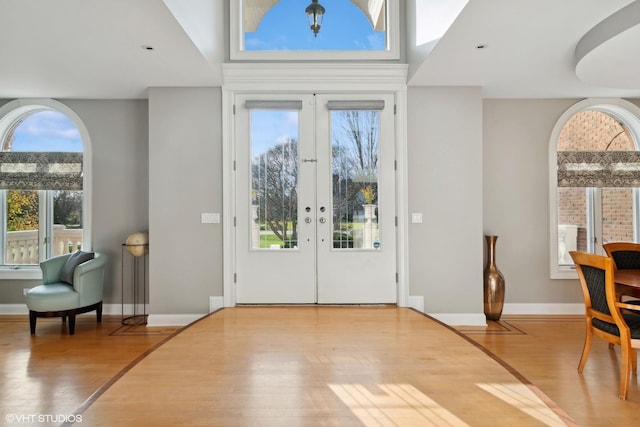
518,49
428,22
203,21
608,54
113,49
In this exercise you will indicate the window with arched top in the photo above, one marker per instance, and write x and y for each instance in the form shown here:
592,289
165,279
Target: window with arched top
277,30
595,178
42,194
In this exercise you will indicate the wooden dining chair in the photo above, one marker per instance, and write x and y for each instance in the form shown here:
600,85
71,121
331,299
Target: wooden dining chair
603,316
626,255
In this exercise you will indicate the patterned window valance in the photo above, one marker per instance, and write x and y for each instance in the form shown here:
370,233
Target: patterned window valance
598,169
21,170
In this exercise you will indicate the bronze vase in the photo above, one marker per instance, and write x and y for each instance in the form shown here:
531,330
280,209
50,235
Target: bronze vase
493,283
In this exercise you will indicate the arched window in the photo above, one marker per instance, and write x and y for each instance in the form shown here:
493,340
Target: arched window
279,30
42,184
595,180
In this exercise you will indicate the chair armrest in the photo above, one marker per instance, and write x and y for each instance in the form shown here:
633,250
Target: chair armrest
51,268
88,279
627,306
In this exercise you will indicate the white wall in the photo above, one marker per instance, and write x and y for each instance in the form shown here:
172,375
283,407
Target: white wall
445,185
185,175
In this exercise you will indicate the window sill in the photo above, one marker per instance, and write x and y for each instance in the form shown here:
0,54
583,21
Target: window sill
22,273
563,272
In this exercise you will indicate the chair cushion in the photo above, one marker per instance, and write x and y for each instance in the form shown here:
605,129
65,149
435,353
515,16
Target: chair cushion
633,321
52,297
76,258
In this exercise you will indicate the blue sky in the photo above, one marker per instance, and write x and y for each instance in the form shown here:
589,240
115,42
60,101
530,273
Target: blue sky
269,128
344,27
47,131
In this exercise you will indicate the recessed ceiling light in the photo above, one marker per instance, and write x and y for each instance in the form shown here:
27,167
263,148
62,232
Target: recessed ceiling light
147,47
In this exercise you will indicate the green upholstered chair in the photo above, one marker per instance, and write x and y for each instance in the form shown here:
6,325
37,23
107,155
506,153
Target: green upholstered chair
71,284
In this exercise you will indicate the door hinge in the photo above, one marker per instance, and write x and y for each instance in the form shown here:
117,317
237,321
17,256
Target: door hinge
395,109
396,220
395,165
234,165
397,277
235,277
234,221
234,109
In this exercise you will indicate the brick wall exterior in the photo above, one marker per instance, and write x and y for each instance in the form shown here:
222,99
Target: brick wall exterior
596,131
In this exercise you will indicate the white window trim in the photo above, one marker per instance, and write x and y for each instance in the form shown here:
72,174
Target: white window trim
237,52
12,111
627,113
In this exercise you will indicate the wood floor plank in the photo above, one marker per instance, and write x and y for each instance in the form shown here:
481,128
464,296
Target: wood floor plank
326,365
315,366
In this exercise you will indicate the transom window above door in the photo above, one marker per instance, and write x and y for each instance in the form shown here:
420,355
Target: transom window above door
314,30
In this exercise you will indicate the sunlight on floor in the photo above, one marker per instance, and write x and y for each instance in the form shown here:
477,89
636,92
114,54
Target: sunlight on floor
393,405
520,396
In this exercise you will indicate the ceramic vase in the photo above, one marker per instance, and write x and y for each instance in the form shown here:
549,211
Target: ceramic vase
493,283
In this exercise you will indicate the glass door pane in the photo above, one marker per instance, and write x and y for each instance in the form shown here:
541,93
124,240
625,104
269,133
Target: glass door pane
274,180
355,153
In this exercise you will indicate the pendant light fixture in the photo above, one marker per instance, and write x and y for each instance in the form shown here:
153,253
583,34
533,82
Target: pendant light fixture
315,12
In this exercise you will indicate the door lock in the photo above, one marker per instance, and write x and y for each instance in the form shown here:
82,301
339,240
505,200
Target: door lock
307,220
322,220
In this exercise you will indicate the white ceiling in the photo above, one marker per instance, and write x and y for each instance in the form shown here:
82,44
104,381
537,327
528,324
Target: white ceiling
94,48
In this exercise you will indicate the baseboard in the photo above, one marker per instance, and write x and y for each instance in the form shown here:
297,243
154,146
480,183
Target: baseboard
577,308
12,309
215,303
110,309
478,319
416,302
172,319
461,319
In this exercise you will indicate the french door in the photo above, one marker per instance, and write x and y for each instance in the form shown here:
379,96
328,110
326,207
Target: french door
315,199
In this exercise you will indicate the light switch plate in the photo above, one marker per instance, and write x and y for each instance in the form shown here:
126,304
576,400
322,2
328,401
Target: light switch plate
209,218
416,217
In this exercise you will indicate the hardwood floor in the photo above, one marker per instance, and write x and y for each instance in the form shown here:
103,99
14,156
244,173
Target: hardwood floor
311,366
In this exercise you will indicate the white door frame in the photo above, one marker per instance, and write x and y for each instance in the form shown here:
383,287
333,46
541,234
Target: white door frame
313,78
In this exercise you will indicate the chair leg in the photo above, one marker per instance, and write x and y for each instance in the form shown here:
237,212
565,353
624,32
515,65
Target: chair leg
585,350
72,323
32,321
625,371
634,361
99,312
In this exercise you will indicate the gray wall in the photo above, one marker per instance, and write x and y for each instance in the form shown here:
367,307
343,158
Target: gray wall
516,197
445,184
185,152
475,167
119,136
